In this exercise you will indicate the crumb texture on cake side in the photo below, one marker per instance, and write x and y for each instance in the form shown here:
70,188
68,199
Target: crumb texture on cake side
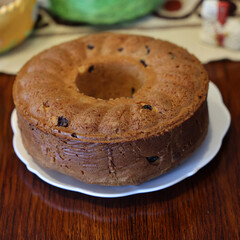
112,109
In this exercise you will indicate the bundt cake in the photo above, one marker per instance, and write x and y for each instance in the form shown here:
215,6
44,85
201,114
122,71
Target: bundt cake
112,109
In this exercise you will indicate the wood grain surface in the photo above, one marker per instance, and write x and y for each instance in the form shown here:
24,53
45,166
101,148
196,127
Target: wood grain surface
204,206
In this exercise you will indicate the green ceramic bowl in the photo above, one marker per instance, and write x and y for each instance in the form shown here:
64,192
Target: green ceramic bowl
102,11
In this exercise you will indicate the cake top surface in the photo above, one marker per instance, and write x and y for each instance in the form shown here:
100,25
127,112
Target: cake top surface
110,87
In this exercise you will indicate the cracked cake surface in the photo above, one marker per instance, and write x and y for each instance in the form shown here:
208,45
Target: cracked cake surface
112,109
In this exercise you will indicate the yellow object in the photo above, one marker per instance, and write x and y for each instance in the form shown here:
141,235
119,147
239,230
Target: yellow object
16,22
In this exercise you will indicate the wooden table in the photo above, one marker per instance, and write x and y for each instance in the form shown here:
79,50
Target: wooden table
204,206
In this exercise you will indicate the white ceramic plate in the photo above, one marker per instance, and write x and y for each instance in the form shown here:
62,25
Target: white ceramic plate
219,124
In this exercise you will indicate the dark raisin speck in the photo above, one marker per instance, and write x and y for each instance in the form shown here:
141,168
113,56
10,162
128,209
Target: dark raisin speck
149,107
90,47
120,49
171,55
143,63
46,104
152,159
91,68
148,49
62,122
132,92
74,135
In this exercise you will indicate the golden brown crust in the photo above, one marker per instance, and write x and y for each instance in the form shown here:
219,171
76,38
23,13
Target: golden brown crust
100,93
176,86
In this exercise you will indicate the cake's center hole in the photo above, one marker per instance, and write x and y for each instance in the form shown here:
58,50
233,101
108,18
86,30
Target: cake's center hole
110,79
